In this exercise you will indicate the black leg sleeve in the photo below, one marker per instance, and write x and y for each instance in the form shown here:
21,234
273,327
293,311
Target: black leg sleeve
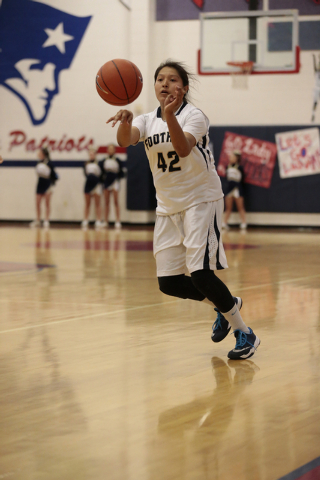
180,286
214,289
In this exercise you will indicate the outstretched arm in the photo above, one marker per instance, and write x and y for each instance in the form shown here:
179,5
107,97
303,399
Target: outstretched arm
127,134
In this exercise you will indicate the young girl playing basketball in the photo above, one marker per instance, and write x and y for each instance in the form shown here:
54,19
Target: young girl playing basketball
190,202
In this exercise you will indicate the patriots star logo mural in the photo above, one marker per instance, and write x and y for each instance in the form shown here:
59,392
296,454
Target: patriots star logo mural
37,41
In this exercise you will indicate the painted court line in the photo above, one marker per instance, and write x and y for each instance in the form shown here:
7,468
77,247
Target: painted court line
115,312
252,287
85,317
20,300
278,283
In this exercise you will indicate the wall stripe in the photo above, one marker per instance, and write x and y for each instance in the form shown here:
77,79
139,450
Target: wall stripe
33,163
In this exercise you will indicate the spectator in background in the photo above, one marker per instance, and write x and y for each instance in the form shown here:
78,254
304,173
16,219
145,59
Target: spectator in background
316,90
92,172
112,172
234,190
47,177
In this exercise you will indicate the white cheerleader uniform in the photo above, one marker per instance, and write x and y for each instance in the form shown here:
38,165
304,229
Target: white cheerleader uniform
111,171
93,174
234,175
43,171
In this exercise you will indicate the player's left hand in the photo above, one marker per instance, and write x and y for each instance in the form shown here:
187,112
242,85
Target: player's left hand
173,101
1,159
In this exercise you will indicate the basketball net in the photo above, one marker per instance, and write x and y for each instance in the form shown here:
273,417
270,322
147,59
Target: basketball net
240,74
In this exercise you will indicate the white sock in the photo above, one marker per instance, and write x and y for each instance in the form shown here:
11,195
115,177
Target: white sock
235,320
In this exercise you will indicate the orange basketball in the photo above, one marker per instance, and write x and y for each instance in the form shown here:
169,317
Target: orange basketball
119,82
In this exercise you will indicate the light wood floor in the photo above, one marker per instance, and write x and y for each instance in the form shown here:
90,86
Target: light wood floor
102,377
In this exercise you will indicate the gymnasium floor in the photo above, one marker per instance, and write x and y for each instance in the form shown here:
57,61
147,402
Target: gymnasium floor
102,377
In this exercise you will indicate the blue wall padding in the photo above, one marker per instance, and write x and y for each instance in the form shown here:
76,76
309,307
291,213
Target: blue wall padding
140,188
290,195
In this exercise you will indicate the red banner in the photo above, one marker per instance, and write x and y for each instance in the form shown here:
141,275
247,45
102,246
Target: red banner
257,158
199,3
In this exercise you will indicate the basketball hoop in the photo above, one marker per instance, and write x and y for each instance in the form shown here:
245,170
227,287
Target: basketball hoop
241,73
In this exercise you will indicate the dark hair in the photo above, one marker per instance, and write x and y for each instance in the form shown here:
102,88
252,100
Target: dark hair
238,156
45,152
184,74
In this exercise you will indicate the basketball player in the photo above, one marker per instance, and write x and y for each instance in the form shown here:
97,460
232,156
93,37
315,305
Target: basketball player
234,190
316,90
92,172
46,180
190,202
112,172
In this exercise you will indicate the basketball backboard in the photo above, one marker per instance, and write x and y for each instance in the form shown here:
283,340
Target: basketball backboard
268,38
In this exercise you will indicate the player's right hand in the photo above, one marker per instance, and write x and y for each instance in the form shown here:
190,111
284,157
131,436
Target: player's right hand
122,116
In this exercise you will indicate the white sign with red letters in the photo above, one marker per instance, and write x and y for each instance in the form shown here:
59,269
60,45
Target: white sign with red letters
299,152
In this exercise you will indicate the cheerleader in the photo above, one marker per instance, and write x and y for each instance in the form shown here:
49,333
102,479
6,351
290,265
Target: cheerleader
234,190
92,172
46,180
112,172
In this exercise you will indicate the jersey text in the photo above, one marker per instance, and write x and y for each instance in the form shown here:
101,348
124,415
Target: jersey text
156,139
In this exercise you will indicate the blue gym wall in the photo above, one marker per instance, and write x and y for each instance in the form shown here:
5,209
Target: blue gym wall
188,9
290,195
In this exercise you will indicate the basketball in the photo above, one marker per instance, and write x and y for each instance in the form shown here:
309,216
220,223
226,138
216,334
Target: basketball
119,82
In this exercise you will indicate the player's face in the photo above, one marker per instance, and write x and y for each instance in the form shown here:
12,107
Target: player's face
35,85
166,82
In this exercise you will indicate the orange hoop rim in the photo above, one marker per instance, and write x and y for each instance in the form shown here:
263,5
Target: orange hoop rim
247,66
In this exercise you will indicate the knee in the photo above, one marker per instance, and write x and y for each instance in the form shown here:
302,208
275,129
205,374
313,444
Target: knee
171,285
166,285
203,280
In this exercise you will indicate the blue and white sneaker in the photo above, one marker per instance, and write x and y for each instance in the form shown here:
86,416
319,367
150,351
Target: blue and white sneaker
246,345
221,326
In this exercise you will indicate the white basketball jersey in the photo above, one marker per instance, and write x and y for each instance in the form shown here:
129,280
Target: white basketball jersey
180,182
